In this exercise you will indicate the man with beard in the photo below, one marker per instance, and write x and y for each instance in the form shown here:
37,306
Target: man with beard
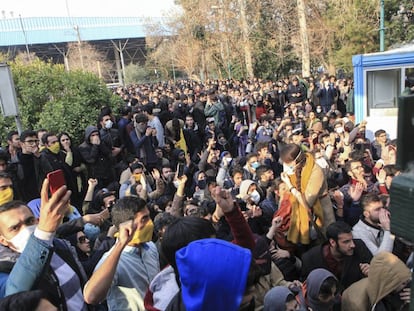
347,258
374,227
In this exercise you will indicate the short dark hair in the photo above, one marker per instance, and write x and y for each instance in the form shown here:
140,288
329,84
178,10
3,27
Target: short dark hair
27,133
141,118
12,205
261,144
251,155
11,134
369,198
148,108
379,132
181,232
236,170
45,136
4,175
349,163
261,170
4,156
337,228
126,208
391,170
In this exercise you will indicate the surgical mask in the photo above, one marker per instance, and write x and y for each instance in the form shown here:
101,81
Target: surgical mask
290,170
227,161
143,235
318,110
255,196
54,148
339,130
201,184
20,240
255,165
6,195
108,124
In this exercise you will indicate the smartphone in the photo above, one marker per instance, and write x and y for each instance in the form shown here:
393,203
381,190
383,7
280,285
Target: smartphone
56,180
180,170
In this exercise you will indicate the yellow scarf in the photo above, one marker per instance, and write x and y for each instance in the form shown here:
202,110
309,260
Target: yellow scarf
299,220
181,144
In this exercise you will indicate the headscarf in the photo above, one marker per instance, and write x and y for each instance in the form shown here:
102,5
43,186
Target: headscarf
275,299
313,285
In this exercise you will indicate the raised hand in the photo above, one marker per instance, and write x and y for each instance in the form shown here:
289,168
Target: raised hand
223,199
126,232
156,174
356,191
53,209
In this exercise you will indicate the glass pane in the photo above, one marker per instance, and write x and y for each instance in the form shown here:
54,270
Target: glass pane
383,89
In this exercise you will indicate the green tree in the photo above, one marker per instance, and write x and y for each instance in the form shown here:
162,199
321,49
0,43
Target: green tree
399,22
51,98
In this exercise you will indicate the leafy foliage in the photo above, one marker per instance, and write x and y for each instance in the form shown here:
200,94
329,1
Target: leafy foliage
51,98
337,29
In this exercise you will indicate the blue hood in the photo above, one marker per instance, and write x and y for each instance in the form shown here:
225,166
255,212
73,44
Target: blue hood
213,275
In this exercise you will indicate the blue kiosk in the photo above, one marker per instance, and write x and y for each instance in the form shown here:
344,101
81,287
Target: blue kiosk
379,78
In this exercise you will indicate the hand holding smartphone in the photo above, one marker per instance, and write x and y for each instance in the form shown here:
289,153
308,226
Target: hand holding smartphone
56,180
180,170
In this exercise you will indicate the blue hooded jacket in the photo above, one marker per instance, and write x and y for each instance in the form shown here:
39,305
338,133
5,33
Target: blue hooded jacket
213,275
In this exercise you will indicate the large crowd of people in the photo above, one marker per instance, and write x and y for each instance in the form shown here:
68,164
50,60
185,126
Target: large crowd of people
222,195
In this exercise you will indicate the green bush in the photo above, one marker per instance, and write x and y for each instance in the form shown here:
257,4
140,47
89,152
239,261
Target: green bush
51,98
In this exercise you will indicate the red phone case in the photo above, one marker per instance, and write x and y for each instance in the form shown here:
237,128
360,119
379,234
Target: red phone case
56,180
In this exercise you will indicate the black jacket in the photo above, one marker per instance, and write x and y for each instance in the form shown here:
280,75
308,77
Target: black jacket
351,272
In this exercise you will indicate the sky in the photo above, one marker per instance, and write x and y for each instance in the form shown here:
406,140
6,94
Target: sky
85,8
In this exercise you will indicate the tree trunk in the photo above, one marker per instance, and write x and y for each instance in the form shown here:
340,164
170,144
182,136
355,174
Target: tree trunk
303,38
246,41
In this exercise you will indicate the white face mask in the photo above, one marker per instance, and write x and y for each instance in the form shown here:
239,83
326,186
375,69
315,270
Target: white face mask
108,124
339,130
20,240
255,196
227,161
290,170
318,110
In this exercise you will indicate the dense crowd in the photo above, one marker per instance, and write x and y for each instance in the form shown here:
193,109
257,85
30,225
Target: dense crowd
222,195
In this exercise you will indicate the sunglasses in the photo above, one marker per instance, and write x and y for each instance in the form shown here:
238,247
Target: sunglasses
82,239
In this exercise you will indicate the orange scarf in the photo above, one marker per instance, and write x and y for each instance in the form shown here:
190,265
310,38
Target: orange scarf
299,219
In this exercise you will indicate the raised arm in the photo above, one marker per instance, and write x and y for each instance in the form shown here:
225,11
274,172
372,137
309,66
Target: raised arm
96,289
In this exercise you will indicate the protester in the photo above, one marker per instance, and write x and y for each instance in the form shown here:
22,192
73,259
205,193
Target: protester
291,164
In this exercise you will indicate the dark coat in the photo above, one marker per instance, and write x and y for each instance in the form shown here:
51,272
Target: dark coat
98,158
351,272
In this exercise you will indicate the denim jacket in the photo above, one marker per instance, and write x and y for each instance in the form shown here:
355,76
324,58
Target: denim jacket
32,269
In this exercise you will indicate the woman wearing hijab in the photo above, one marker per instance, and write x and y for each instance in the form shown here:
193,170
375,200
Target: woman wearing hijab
280,298
308,197
319,292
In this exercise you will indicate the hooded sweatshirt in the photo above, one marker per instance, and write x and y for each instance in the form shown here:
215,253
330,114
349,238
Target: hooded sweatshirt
275,299
386,273
313,286
97,157
213,275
